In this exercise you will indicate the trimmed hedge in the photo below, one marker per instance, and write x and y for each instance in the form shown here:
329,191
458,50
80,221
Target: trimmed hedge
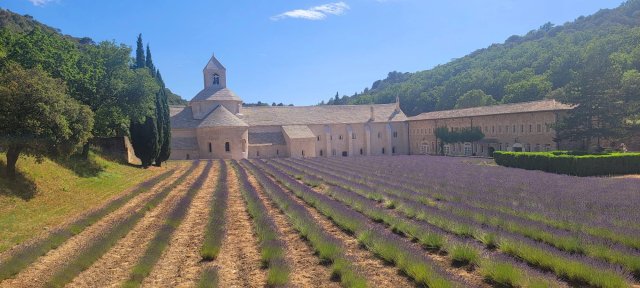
563,162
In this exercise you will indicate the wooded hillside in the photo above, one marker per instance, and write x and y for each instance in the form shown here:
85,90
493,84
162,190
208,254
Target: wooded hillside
546,62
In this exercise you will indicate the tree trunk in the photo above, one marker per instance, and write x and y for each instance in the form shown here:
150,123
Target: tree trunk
85,150
157,163
12,157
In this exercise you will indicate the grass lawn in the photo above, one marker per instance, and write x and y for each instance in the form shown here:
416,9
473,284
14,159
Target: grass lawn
52,192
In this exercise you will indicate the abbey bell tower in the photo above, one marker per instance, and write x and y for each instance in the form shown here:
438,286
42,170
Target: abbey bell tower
215,75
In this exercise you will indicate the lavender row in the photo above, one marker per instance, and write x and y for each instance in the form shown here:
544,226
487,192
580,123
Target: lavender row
386,245
26,255
460,252
494,198
328,247
272,250
573,267
161,240
214,231
562,197
561,239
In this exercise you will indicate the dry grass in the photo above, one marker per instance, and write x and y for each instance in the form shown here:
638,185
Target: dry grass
51,193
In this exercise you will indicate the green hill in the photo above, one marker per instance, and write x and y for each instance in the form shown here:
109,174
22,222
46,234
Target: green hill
26,23
543,63
52,192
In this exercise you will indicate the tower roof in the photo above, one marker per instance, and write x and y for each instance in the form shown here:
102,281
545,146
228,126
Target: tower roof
214,64
221,117
216,93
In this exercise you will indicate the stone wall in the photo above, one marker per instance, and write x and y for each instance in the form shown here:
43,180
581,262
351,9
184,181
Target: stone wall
527,131
118,147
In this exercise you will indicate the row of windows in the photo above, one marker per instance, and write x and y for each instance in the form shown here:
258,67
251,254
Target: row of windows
345,153
506,129
353,136
227,147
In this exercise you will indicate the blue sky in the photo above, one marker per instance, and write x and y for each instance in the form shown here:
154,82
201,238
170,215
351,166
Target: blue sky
303,51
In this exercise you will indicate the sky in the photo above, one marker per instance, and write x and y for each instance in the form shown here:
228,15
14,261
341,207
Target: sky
304,51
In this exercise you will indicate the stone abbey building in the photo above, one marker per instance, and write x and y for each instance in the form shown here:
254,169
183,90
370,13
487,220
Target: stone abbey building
216,125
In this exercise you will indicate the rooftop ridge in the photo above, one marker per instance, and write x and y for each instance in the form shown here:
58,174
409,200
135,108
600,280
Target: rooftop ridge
328,106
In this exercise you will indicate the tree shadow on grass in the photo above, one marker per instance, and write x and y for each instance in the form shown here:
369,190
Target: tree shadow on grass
82,167
21,187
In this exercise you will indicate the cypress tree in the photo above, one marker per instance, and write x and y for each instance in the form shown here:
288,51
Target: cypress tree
149,62
140,59
164,126
144,139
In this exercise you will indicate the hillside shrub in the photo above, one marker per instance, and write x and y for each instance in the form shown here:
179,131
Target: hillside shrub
572,163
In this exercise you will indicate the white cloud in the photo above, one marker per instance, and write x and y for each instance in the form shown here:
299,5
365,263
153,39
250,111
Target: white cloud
40,2
313,13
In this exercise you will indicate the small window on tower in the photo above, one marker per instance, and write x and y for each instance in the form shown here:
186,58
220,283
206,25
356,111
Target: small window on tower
216,79
227,147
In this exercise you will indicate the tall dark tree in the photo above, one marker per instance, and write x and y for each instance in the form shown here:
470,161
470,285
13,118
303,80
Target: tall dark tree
164,125
140,58
144,138
600,111
149,62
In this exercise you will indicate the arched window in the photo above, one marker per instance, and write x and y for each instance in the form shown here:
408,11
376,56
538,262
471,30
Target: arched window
210,148
216,79
321,152
227,147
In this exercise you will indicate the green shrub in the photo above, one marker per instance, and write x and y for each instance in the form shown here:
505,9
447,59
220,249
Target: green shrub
502,273
464,254
208,278
572,163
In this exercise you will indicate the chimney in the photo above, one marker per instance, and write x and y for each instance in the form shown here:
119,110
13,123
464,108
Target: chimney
372,117
397,104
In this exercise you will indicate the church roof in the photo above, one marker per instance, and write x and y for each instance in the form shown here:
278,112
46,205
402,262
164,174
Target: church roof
262,138
214,64
221,117
324,114
298,131
182,118
216,93
535,106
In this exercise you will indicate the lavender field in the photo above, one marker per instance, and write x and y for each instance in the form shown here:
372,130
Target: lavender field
458,221
404,221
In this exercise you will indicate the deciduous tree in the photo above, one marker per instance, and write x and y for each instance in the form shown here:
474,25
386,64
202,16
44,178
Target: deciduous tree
37,117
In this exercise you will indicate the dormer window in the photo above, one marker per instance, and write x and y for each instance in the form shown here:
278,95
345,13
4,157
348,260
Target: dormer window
216,79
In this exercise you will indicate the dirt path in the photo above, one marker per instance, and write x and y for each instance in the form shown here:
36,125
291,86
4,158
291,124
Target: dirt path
239,260
113,268
46,266
376,271
180,265
306,269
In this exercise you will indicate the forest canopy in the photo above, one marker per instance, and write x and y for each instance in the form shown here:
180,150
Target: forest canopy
545,63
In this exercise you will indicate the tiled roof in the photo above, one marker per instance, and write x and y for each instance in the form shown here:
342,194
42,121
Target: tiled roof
535,106
214,64
298,131
324,114
216,93
184,143
182,118
221,117
261,138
